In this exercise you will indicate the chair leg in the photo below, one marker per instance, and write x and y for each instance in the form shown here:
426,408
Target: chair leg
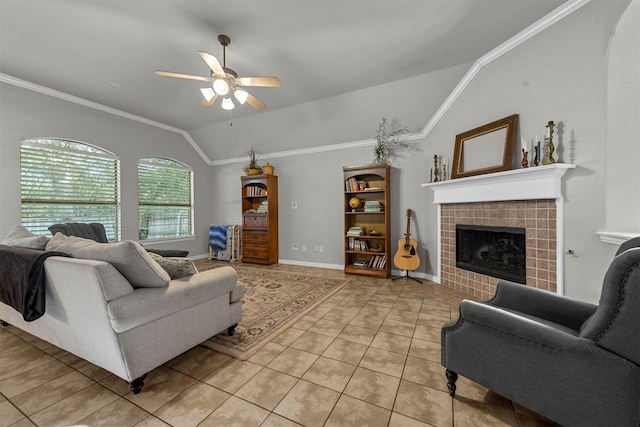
452,377
136,385
3,323
231,329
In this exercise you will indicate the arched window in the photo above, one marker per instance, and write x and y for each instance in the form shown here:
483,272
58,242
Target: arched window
68,181
165,199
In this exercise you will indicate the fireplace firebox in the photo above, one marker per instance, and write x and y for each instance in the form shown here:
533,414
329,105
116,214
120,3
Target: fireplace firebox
494,251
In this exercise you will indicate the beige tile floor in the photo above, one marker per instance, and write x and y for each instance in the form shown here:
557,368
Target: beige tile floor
368,356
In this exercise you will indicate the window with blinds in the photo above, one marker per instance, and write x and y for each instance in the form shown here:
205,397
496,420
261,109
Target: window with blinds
68,181
165,199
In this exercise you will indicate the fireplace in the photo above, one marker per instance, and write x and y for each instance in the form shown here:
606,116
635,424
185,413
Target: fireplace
495,251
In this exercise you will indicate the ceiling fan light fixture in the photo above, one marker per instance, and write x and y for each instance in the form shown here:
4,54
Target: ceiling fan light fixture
221,87
208,93
241,95
227,103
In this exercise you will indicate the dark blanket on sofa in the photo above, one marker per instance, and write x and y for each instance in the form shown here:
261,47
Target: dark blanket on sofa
22,279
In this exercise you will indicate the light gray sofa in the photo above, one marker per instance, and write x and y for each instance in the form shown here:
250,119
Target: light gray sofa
94,312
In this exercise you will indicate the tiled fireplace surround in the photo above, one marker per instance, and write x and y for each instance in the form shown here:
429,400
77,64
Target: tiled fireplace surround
527,198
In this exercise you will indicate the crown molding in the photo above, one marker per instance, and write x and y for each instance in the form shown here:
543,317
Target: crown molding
551,18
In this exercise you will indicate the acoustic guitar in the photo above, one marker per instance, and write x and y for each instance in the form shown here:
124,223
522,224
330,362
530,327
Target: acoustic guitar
406,257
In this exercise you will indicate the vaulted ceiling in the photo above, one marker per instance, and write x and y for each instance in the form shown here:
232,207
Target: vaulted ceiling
106,51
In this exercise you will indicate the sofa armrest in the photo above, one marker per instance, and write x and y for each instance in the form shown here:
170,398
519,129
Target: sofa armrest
545,305
145,305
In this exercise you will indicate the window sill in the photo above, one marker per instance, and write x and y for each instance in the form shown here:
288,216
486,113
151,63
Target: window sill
166,240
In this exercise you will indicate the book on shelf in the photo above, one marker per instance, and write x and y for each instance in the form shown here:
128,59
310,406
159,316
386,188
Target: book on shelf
373,206
360,263
378,261
358,245
355,231
254,190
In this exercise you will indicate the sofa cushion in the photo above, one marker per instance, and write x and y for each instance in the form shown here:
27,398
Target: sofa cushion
20,236
128,257
176,267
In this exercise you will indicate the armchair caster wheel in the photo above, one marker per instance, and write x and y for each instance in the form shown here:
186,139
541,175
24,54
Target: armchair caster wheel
136,385
452,377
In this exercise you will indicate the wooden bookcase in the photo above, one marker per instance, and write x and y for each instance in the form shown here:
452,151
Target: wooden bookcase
260,219
367,254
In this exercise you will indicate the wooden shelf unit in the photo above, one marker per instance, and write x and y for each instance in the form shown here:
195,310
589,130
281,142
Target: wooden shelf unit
368,248
260,219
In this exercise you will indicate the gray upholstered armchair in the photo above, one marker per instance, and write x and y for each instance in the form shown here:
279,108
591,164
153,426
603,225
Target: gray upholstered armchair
575,363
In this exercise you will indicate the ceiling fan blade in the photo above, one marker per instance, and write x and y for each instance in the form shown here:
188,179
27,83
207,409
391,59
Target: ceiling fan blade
182,76
209,102
259,81
256,103
213,63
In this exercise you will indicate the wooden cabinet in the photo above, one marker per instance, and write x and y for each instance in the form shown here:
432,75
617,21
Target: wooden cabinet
366,220
260,219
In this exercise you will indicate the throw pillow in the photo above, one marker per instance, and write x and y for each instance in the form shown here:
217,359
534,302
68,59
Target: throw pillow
128,257
20,236
175,266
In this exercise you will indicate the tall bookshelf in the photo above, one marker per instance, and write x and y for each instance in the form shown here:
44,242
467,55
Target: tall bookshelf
260,219
367,244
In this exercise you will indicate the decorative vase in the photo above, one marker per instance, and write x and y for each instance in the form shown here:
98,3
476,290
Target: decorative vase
253,171
268,169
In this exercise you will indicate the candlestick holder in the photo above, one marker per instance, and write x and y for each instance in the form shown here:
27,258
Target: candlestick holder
548,145
435,168
525,159
536,158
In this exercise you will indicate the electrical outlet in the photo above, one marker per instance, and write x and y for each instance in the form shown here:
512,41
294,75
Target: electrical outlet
317,249
294,205
321,249
294,247
304,248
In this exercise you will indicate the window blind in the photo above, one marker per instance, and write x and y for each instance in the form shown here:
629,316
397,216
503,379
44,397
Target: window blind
67,181
164,199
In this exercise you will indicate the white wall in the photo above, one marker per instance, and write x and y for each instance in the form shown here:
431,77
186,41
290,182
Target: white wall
27,114
559,74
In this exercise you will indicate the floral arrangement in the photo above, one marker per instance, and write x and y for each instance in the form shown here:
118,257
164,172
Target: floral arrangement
389,139
252,165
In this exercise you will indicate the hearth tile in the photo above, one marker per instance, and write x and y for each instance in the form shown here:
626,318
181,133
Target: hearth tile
308,404
329,373
425,350
428,333
495,412
288,336
425,372
351,412
397,327
358,334
76,407
399,420
161,386
33,378
293,362
51,392
236,412
391,342
425,404
328,327
192,406
345,351
233,375
120,412
373,387
267,388
384,361
266,354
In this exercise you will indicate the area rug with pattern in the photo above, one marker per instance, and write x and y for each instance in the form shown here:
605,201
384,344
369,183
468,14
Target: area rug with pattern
272,301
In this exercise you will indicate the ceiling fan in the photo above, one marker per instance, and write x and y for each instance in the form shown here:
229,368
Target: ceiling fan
225,81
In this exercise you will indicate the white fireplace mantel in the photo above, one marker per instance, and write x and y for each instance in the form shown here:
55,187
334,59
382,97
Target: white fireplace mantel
540,182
